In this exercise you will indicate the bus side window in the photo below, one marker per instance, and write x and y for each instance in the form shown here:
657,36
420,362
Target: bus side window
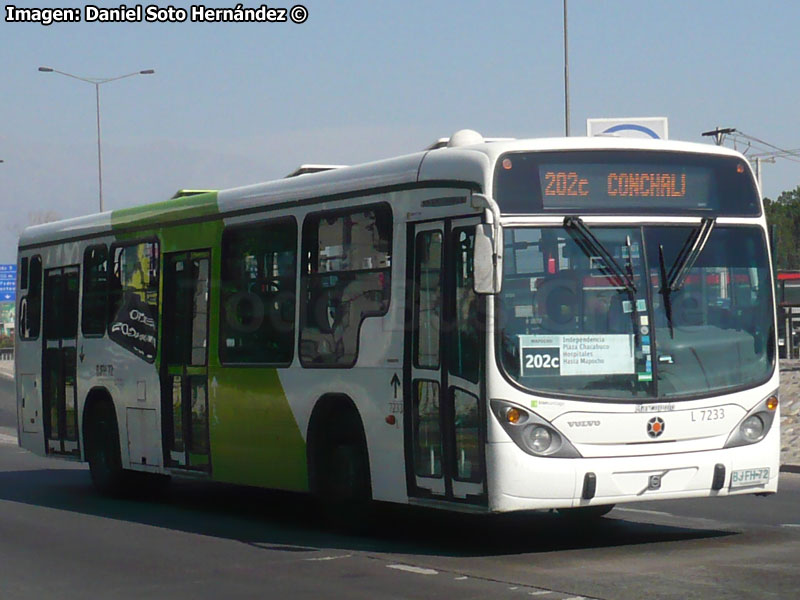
95,288
23,274
258,290
345,278
30,305
133,298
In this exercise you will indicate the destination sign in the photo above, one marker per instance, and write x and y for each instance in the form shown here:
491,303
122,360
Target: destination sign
619,181
566,184
570,183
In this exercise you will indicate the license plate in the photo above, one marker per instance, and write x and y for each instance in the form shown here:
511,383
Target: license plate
747,477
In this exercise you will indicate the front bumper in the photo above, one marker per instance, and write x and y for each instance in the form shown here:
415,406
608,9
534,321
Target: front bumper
519,481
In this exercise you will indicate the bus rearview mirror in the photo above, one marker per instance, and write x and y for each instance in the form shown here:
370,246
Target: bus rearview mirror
486,280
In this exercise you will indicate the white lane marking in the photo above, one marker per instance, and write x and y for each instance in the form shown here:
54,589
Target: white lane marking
462,578
329,557
790,525
8,440
539,593
645,512
410,569
576,598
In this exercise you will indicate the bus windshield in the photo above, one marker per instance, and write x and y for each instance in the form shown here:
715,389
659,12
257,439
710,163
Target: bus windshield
606,320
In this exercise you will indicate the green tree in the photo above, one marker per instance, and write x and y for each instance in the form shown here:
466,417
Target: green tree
785,214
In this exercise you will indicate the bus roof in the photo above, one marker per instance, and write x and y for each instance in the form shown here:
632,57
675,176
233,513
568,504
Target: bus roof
468,164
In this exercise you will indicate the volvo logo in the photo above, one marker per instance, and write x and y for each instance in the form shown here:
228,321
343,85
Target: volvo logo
655,427
583,423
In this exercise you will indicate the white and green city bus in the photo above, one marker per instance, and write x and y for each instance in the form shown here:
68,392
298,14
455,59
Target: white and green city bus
486,326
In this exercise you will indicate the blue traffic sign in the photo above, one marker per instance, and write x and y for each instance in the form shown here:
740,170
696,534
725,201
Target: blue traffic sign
7,275
8,296
5,268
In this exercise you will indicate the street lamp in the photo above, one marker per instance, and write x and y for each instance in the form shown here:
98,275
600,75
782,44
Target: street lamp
97,82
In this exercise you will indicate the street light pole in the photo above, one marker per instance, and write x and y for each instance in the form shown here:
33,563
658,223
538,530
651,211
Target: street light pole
99,154
97,82
566,74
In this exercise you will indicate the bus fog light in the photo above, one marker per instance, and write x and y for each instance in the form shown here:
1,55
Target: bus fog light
752,428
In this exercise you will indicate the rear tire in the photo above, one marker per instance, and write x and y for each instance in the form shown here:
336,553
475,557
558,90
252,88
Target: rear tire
103,451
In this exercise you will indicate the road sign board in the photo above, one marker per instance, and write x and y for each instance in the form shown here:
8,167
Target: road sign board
4,275
8,296
643,128
5,268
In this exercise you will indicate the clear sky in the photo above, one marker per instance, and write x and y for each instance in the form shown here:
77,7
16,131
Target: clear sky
232,104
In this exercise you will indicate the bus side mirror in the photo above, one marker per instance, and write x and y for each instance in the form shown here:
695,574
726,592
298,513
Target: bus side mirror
486,278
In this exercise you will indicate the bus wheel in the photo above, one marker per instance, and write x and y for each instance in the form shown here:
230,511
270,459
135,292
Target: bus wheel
585,514
102,449
341,481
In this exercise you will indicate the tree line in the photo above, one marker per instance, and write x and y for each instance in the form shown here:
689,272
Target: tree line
784,213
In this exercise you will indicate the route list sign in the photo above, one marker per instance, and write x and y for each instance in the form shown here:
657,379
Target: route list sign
576,355
8,283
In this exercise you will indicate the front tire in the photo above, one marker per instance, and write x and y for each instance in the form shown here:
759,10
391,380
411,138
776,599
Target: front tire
585,514
341,482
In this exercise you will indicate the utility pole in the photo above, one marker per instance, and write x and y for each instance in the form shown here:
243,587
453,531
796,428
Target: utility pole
758,175
719,134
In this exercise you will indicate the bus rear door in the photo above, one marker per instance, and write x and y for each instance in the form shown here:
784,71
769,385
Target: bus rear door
59,394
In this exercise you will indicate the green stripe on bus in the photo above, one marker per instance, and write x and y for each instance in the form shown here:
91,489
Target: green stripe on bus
255,439
166,212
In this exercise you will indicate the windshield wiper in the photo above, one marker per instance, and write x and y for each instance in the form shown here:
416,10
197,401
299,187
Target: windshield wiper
591,246
689,254
665,291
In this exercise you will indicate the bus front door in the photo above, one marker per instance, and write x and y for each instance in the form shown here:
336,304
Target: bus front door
59,395
184,372
444,412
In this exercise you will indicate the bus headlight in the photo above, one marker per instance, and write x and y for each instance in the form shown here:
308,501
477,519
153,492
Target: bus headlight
756,424
541,440
752,428
532,433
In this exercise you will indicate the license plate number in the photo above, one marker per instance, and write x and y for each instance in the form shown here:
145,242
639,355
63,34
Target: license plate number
746,477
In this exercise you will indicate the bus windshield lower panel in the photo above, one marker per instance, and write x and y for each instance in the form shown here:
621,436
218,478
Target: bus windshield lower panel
572,323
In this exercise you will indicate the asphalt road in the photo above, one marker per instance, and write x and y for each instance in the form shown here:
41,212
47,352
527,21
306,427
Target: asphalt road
60,540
